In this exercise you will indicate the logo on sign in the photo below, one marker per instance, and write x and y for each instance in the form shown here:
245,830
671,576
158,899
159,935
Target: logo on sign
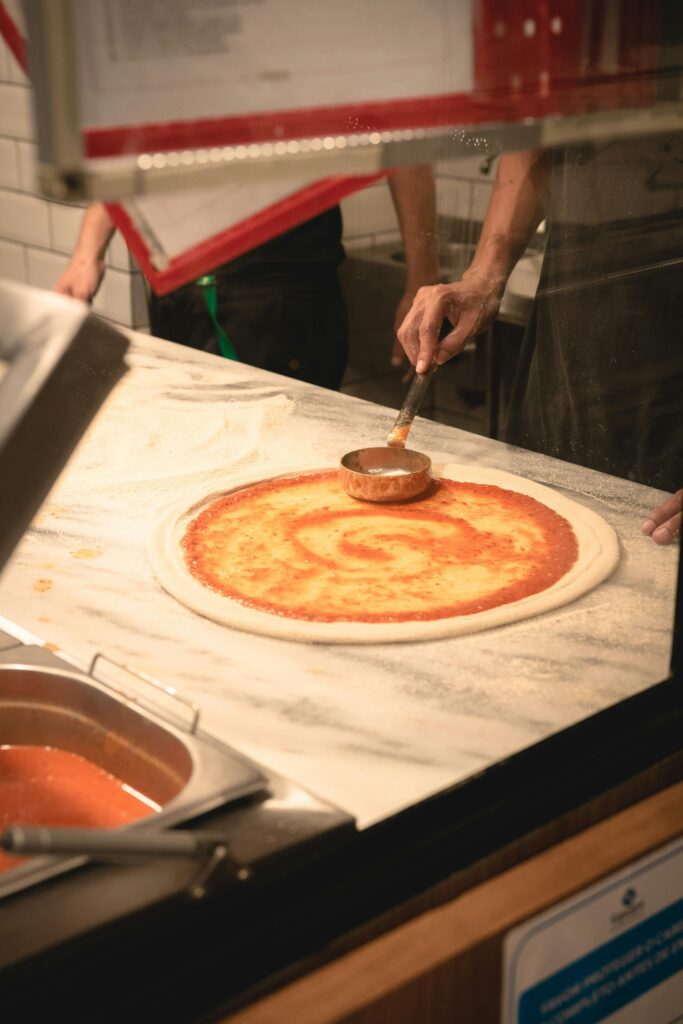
628,899
632,907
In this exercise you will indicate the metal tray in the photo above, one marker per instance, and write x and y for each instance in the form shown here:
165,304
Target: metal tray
45,702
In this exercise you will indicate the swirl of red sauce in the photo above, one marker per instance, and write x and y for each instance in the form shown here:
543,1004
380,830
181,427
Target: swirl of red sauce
301,548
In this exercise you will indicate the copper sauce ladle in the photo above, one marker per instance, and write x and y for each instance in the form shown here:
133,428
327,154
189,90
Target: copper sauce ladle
392,473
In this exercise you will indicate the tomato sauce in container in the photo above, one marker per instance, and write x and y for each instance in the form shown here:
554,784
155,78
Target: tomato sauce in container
78,752
41,785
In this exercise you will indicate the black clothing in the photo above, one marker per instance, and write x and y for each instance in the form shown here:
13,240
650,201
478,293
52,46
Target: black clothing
280,305
600,376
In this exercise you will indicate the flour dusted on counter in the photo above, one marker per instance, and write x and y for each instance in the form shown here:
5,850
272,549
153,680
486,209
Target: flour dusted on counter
134,442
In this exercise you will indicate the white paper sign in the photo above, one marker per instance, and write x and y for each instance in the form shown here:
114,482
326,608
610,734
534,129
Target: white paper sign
179,220
164,60
613,953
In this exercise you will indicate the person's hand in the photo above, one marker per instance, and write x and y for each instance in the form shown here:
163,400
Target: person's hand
468,305
82,278
664,525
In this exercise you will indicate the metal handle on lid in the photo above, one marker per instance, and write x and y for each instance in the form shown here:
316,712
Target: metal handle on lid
101,842
169,691
114,844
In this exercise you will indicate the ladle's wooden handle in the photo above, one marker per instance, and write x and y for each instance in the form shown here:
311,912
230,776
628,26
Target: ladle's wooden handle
398,435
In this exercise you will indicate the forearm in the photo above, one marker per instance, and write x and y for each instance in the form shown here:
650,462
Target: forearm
82,276
414,195
95,235
517,206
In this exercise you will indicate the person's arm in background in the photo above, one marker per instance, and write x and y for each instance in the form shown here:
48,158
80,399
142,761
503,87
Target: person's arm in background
85,270
517,206
413,191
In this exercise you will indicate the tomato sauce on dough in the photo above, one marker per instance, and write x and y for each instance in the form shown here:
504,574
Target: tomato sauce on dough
302,548
52,787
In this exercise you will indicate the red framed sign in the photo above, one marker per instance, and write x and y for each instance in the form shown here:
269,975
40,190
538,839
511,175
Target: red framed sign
133,99
185,245
156,77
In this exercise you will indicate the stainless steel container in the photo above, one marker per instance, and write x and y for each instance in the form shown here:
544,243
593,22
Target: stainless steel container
45,703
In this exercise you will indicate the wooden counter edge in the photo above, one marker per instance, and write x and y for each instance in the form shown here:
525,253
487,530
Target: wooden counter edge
401,974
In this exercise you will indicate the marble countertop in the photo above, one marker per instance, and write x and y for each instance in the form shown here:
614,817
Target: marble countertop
371,728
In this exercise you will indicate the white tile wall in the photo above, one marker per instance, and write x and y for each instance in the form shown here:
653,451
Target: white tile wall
12,261
462,191
24,218
4,62
464,187
37,235
118,255
368,211
122,298
454,197
16,113
27,155
139,293
44,267
9,164
16,74
65,224
481,193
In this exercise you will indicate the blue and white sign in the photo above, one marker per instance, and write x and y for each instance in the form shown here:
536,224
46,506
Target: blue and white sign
612,953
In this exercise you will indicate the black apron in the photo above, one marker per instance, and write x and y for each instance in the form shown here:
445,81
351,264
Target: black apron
281,306
600,376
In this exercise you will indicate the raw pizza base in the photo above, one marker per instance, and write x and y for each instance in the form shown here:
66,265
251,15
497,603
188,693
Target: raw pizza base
598,555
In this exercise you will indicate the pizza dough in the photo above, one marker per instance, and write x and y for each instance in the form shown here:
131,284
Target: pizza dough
306,562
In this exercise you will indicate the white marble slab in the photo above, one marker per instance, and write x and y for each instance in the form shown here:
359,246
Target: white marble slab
372,728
